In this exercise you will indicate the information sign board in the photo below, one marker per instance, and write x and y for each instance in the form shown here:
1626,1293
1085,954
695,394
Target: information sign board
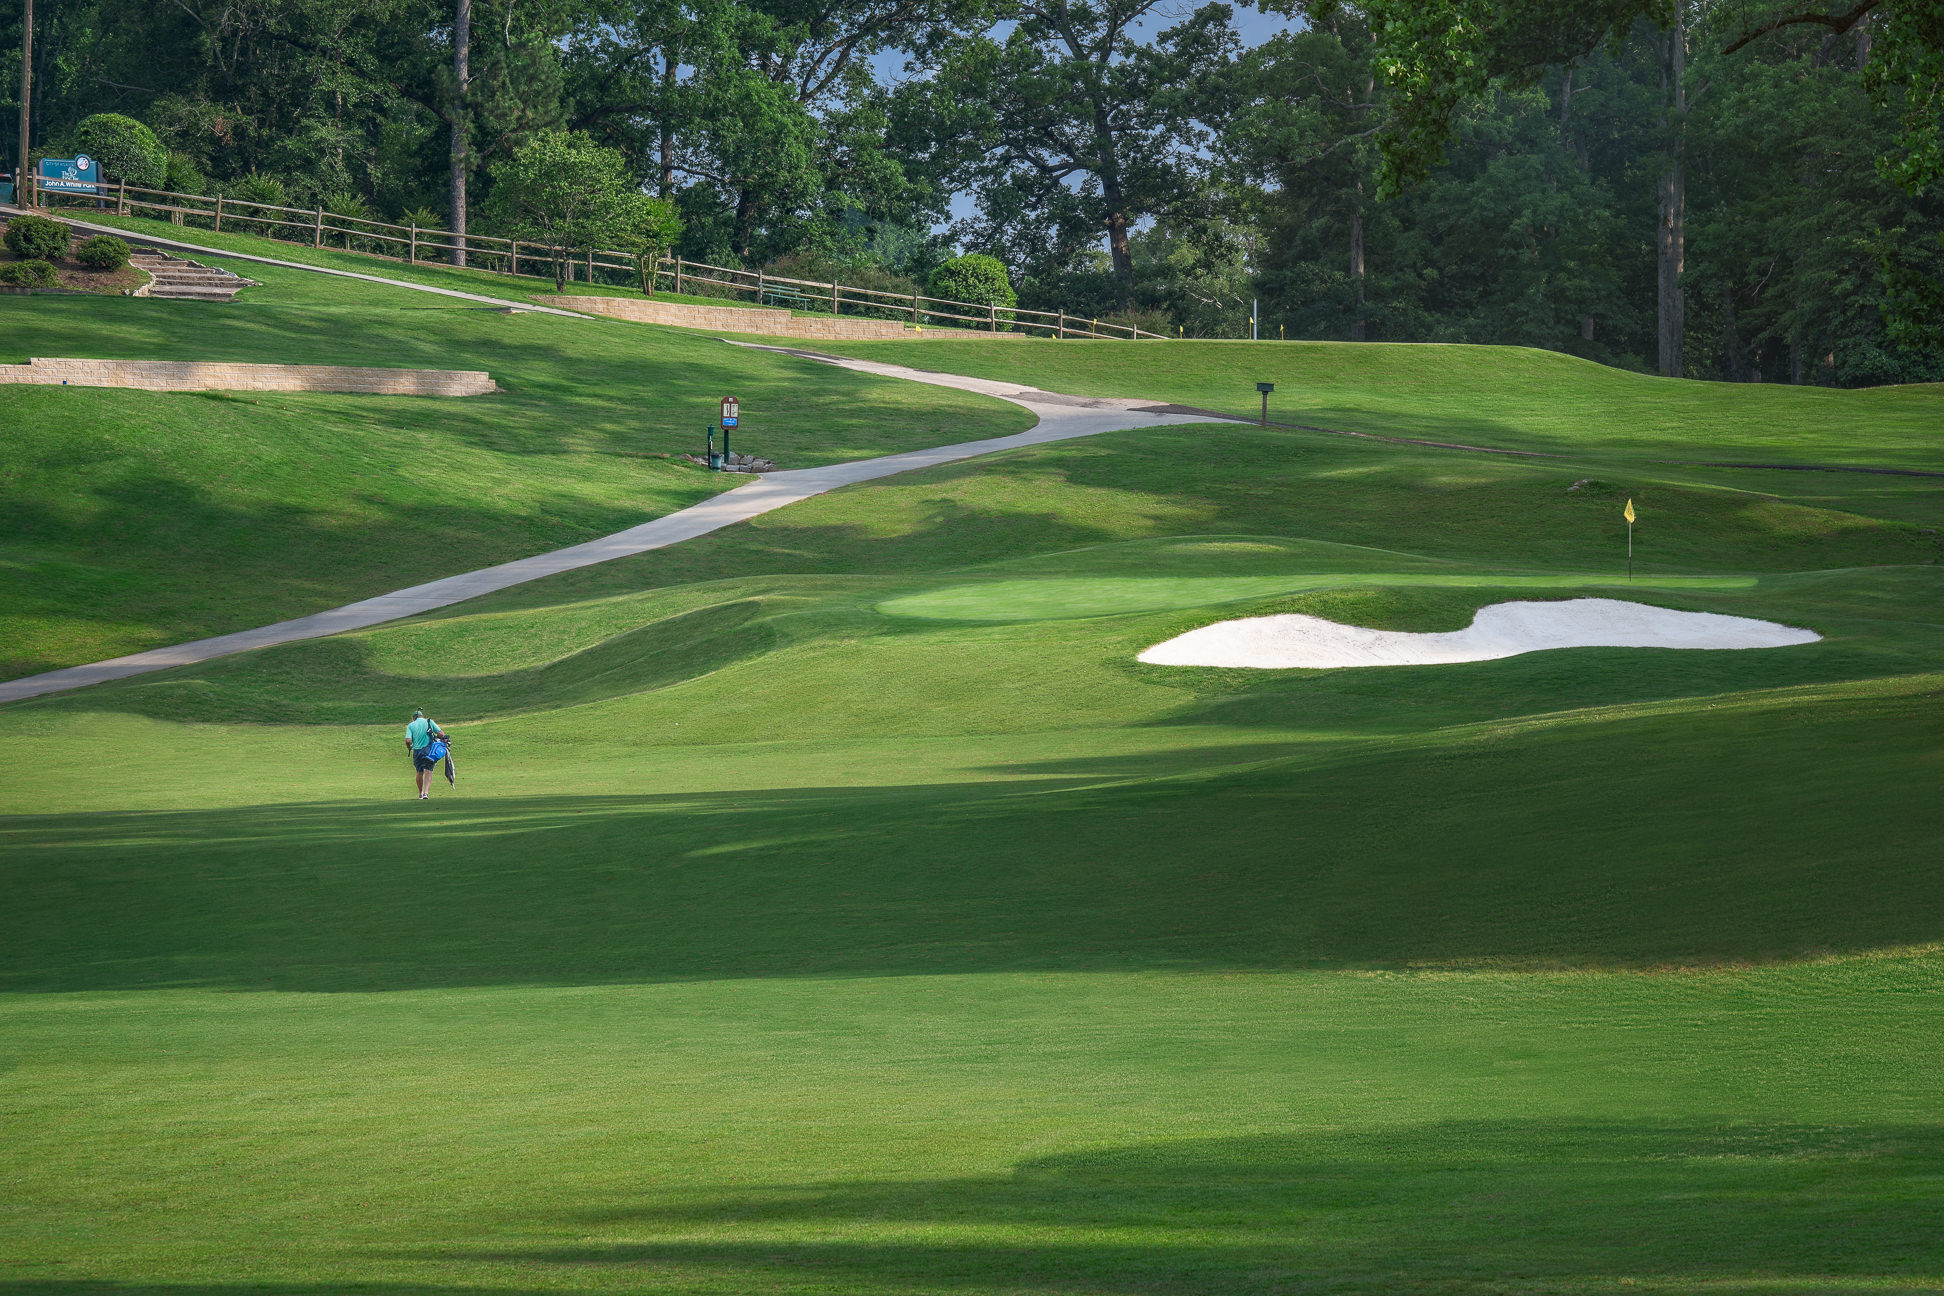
70,175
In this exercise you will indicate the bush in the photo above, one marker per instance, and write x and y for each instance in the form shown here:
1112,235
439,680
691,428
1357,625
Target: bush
184,176
852,274
259,189
352,205
974,278
30,274
126,149
36,238
103,252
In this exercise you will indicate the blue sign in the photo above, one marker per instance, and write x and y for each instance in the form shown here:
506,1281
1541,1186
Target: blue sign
70,175
728,422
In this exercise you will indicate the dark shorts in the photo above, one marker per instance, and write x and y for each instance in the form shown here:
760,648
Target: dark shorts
420,761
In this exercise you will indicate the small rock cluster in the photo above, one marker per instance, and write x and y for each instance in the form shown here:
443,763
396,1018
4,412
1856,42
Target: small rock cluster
736,463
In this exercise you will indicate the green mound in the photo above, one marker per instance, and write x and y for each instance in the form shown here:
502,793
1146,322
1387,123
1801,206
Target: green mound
1502,397
130,520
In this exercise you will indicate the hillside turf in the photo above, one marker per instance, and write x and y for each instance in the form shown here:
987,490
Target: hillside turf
833,904
132,520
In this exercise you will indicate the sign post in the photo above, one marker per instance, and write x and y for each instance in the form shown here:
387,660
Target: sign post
1265,389
80,174
730,418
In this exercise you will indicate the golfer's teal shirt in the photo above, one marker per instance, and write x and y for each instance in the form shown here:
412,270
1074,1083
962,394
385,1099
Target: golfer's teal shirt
420,732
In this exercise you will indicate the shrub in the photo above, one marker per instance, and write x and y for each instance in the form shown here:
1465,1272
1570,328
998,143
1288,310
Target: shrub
259,189
974,278
30,274
350,204
103,252
37,238
852,274
184,176
1152,321
126,149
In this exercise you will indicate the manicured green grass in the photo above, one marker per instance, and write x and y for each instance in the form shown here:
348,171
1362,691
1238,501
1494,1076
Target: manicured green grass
833,904
1505,397
520,287
129,519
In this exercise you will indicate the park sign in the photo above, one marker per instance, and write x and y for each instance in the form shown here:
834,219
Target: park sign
729,408
70,175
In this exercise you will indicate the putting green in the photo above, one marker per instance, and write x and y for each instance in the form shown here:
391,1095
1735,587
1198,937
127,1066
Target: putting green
1054,598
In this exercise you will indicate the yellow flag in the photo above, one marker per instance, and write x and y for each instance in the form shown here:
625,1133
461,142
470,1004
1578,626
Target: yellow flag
1630,512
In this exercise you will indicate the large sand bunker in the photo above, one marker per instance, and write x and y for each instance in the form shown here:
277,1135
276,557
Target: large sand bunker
1501,630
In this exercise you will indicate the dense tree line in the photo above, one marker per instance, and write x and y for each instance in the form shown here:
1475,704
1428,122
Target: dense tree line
1733,189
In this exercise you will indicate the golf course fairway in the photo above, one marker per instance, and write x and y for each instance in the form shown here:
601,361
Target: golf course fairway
835,904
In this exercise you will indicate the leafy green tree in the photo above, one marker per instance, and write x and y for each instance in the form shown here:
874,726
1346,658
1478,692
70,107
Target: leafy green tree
126,149
648,226
566,192
1069,127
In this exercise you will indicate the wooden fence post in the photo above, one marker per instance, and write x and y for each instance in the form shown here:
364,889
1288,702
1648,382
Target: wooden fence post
833,299
759,287
317,228
678,274
992,314
121,198
411,254
1062,326
914,308
590,265
219,215
515,261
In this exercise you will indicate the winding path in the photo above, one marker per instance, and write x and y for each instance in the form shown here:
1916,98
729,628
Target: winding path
1060,418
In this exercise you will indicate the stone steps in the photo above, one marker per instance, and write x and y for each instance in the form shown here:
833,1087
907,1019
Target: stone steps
179,279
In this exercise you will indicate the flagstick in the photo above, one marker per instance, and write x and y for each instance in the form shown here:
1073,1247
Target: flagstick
1630,553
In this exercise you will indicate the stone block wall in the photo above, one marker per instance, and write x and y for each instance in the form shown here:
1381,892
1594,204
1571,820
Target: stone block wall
204,375
733,319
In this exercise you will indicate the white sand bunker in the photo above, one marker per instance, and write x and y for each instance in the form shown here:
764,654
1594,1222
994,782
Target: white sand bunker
1501,630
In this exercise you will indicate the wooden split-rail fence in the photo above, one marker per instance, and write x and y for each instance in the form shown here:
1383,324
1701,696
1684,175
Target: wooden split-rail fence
413,244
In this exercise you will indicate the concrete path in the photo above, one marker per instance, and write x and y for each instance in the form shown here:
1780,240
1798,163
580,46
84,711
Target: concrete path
146,240
1061,418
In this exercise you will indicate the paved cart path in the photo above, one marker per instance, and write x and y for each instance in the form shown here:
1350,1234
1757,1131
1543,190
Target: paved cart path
1061,418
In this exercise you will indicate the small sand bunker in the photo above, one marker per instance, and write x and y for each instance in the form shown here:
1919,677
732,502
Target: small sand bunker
1501,630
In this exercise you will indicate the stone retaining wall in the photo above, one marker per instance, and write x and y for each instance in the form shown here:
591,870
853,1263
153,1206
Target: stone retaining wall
199,375
733,319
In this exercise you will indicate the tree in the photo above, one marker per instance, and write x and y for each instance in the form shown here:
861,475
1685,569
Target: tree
125,148
563,190
1070,127
648,226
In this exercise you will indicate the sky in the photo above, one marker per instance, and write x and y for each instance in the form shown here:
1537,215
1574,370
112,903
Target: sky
1252,25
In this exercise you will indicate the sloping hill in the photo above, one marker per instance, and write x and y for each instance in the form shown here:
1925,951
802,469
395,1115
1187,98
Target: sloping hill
130,519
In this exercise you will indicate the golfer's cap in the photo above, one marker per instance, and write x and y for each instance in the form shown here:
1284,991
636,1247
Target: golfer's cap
418,715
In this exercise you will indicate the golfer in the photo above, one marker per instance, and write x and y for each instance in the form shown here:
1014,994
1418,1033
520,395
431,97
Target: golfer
419,736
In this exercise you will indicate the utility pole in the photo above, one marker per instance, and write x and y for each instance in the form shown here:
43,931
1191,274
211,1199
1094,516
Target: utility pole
21,188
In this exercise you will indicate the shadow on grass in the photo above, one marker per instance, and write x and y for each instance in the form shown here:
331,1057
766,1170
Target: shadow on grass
1683,839
1461,1206
1455,1207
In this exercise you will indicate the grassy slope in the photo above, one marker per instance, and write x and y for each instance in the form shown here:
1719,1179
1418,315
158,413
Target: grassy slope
134,519
521,287
832,904
1487,396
